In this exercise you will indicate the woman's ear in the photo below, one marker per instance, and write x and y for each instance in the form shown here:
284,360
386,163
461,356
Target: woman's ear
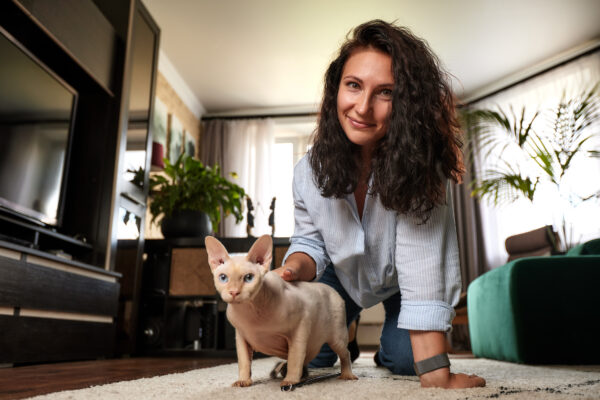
261,252
217,254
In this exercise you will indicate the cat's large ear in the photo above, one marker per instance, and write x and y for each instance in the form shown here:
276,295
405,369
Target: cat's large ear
217,254
261,252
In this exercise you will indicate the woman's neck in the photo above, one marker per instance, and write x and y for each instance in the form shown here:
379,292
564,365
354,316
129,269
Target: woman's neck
360,193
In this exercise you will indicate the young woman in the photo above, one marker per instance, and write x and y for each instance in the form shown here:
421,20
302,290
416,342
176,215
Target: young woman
373,216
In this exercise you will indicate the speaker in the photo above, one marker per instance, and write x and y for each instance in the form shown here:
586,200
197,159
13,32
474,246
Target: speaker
153,332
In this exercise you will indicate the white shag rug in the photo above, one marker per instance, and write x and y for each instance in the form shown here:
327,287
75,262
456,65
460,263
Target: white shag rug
504,381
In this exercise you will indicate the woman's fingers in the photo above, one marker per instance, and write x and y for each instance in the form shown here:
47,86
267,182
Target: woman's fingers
287,274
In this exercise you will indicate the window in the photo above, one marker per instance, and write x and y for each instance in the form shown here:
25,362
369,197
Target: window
292,138
544,93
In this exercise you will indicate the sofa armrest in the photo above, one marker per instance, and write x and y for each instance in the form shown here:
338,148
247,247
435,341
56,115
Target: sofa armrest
537,310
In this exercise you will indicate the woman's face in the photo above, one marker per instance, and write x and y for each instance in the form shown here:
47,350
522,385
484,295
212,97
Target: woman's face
364,100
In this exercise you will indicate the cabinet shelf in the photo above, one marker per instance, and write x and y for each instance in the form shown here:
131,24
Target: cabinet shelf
57,259
45,231
132,198
69,51
43,241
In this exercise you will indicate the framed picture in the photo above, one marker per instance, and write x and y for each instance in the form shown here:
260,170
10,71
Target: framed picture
159,123
175,138
190,144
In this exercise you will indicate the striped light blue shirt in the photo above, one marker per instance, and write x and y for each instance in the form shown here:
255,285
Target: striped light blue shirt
382,254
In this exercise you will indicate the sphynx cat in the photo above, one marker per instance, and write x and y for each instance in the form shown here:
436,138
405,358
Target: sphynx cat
289,320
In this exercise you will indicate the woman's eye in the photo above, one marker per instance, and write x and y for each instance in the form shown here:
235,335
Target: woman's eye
223,278
352,85
248,278
386,92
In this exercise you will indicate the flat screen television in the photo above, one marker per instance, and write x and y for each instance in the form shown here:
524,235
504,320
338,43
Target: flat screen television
37,112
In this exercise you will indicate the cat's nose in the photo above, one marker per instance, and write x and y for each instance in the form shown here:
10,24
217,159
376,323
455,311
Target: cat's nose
233,293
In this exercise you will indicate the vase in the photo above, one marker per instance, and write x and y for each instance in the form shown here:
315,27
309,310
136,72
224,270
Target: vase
186,223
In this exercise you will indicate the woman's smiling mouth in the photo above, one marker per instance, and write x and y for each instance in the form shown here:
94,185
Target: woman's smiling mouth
359,124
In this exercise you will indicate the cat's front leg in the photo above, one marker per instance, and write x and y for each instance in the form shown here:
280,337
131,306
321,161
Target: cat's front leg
296,355
244,355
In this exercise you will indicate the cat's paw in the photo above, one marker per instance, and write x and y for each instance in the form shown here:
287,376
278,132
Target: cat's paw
348,376
242,383
286,382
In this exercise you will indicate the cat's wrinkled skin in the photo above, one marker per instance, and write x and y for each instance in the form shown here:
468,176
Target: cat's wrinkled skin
290,320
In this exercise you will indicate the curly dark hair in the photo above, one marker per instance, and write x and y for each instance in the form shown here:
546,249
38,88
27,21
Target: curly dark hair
421,148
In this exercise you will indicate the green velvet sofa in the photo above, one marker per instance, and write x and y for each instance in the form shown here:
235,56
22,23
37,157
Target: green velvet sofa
539,310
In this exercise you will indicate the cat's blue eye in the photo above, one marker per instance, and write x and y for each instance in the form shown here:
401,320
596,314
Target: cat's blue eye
248,278
223,278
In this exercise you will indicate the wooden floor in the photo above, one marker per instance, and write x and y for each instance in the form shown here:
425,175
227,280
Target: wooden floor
33,380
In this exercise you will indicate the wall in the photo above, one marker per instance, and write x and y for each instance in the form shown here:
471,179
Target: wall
371,323
175,106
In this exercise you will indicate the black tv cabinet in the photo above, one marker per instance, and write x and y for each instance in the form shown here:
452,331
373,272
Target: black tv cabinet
60,286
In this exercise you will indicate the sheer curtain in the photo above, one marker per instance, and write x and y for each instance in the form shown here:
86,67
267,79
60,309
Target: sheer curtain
243,146
543,93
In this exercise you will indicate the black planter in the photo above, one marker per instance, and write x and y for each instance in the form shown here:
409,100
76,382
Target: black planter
186,223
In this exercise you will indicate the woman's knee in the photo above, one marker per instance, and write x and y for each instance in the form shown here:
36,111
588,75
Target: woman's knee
395,352
397,364
325,359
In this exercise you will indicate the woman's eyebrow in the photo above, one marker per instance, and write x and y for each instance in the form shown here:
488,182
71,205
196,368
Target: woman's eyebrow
356,78
352,77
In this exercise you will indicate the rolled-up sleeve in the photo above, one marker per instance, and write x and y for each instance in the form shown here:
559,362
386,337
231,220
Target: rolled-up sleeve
428,269
306,237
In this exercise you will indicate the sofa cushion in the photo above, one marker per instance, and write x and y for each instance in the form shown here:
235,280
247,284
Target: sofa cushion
537,310
589,247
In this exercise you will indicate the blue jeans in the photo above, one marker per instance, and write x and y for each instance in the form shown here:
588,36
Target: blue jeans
395,350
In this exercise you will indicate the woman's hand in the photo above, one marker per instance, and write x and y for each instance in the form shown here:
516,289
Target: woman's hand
298,267
287,273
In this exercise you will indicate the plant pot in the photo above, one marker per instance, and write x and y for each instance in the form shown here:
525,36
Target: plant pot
186,223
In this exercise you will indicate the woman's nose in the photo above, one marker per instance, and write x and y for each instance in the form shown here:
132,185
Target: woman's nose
363,103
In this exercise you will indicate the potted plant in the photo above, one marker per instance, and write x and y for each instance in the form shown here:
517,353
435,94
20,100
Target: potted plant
187,199
549,153
138,176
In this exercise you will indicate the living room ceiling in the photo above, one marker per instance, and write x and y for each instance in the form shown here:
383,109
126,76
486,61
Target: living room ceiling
238,55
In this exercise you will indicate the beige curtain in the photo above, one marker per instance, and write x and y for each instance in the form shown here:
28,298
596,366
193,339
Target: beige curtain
468,230
244,147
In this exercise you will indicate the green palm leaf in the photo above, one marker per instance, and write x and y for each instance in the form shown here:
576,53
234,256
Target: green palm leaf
572,124
504,185
543,157
483,126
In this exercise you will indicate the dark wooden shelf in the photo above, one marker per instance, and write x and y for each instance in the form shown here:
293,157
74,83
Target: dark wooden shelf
46,231
96,61
28,237
59,259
